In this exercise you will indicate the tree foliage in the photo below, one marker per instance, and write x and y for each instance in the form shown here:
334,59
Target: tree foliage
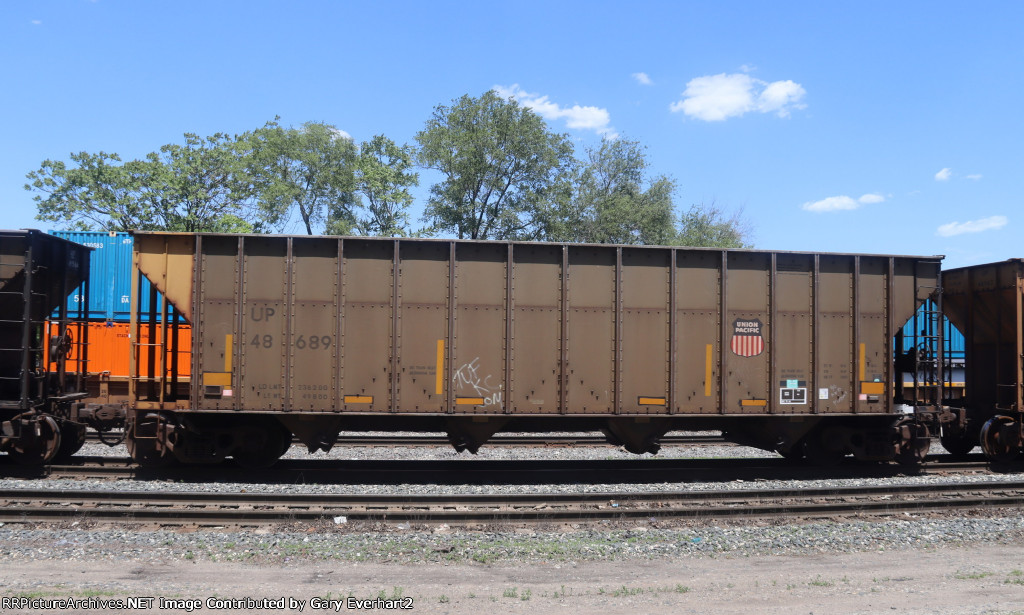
202,185
384,177
708,226
500,163
504,175
310,170
610,204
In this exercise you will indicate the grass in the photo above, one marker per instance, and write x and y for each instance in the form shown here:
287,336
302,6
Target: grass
964,576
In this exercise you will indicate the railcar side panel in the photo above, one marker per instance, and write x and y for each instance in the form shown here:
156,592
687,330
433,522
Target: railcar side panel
478,345
217,325
645,330
313,325
368,281
375,326
698,332
873,361
748,327
537,350
591,335
792,380
423,327
835,344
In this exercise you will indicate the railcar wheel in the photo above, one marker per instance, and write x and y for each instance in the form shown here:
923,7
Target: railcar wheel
1000,439
72,438
957,442
261,444
914,442
817,451
794,453
43,448
142,441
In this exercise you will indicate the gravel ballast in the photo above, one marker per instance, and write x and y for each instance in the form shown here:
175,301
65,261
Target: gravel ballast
937,564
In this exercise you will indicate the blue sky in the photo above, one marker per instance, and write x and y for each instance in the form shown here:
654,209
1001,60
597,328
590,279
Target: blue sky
874,127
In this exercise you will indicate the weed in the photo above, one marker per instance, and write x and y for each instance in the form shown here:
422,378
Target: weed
820,582
964,576
511,592
526,595
444,599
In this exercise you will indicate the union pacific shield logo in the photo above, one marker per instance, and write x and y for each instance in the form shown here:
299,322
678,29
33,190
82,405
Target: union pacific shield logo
746,337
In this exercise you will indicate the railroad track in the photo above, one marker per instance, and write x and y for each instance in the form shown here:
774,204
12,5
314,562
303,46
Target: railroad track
491,472
249,509
552,441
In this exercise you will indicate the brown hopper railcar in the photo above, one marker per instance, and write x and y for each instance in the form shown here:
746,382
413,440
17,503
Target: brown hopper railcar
986,302
307,336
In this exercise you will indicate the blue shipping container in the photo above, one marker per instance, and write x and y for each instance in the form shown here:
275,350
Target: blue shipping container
110,277
953,337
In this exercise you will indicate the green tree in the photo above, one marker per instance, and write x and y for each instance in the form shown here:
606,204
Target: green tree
309,169
98,193
202,185
501,168
708,226
610,204
384,177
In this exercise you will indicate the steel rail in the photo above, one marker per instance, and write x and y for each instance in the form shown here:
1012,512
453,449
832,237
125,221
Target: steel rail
247,508
489,471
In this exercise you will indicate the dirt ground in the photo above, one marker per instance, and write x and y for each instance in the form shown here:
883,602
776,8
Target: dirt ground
987,579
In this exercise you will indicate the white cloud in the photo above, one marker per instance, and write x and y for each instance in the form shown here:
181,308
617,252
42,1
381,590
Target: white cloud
842,202
643,78
779,97
576,117
341,134
832,203
974,176
714,98
944,175
974,226
37,22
